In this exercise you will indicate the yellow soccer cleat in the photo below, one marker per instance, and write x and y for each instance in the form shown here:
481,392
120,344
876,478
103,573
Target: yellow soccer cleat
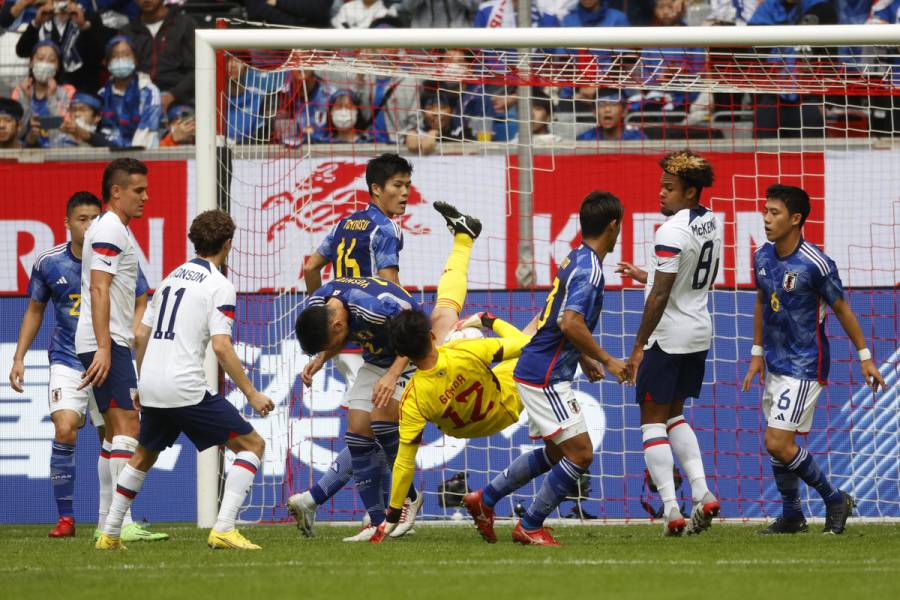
232,540
107,542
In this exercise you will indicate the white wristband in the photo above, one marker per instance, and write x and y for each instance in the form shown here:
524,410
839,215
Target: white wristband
864,354
756,350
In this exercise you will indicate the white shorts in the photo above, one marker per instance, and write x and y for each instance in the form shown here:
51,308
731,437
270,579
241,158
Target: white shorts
65,395
789,403
553,411
359,396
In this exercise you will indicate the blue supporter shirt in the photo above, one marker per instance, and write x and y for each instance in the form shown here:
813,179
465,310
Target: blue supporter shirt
363,243
797,289
778,12
371,302
56,276
629,133
550,357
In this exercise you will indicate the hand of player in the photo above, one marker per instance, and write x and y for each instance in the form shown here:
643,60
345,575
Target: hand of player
872,375
311,368
592,369
261,403
383,391
618,368
383,533
629,270
98,370
17,376
136,402
634,363
757,366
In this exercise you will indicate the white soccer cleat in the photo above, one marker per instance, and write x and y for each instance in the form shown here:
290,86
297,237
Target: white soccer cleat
674,523
366,520
703,514
303,508
365,534
408,516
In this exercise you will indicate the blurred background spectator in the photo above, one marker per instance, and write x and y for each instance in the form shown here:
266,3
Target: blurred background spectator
359,14
296,13
611,111
10,116
441,13
182,127
45,103
438,121
84,120
594,13
131,110
344,122
303,109
252,102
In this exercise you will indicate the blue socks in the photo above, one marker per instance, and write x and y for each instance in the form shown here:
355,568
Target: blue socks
559,484
334,479
805,467
789,486
522,470
368,463
62,476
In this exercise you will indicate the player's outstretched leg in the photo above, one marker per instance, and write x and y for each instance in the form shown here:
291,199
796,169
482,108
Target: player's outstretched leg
454,281
128,485
249,449
685,446
303,506
660,463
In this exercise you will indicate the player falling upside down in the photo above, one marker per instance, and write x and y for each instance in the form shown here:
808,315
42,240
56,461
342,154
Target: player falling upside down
544,375
358,310
56,276
795,281
193,307
669,354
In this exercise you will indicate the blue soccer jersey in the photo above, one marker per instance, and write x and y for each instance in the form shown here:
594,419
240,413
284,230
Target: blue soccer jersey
363,243
370,302
798,288
550,357
56,276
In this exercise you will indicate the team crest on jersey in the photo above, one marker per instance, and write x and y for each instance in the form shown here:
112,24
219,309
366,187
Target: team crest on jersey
55,395
789,282
574,407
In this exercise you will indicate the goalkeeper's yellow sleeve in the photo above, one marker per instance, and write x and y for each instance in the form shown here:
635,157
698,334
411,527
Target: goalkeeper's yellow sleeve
404,472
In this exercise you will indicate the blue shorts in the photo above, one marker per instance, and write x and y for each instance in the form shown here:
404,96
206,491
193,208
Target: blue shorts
121,382
664,378
212,422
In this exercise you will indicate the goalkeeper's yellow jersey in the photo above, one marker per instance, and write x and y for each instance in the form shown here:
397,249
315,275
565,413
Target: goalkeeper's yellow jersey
462,395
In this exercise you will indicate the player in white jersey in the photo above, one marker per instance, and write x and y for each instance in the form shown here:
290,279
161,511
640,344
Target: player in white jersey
669,353
104,334
193,306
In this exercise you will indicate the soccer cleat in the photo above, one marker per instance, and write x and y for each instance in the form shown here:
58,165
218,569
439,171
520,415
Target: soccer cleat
382,533
536,537
141,533
303,508
408,516
837,513
674,524
107,542
365,534
97,533
782,525
230,540
65,527
458,222
703,514
482,514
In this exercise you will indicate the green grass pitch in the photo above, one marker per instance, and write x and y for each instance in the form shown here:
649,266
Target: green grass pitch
619,562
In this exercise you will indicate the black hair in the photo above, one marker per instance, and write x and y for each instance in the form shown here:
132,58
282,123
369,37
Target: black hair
409,333
128,166
382,168
312,329
82,199
12,108
795,199
539,99
598,210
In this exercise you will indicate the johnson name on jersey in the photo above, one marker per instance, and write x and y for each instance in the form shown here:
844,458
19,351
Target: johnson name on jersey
363,243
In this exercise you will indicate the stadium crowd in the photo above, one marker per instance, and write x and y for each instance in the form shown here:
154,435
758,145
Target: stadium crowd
119,73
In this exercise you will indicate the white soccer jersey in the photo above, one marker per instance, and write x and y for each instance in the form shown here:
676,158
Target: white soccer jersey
689,244
110,247
192,304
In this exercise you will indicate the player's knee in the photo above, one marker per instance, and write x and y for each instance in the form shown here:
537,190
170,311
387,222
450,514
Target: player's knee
779,445
143,459
66,433
583,457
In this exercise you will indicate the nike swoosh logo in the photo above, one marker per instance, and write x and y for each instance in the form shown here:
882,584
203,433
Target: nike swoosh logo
106,262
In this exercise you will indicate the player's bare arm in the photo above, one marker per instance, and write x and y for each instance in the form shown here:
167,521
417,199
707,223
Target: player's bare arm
312,271
391,274
757,363
629,270
848,321
31,324
99,368
654,307
140,305
229,360
576,331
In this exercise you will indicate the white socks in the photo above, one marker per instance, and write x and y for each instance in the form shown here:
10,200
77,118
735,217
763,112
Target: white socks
128,485
122,450
660,463
237,484
687,449
104,475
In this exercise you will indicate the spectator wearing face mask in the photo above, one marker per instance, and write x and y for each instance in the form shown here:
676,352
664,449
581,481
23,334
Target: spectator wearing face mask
45,103
10,116
84,120
345,123
131,108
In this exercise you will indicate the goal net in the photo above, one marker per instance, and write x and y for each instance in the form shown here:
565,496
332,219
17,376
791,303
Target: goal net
518,137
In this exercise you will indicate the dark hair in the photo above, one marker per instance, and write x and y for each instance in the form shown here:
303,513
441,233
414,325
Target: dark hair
598,210
693,170
312,329
82,199
128,166
539,99
795,199
382,168
209,232
10,107
409,333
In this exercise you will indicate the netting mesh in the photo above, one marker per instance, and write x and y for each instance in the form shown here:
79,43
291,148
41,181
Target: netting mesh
297,127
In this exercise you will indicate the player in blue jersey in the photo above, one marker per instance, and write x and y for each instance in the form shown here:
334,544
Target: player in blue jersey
796,282
56,277
544,376
365,244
